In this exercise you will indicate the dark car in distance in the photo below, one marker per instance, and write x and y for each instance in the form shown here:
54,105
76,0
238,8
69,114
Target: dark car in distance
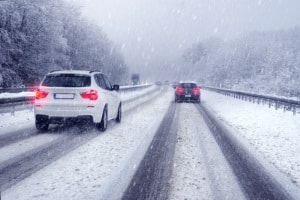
187,91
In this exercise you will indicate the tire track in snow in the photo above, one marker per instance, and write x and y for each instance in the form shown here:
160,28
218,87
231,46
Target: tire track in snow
255,179
92,169
151,178
200,169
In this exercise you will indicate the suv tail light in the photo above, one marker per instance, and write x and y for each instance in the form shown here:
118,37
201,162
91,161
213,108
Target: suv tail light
39,94
196,91
91,95
179,90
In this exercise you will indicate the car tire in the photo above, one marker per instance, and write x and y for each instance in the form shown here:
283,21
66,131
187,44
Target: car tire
41,123
102,126
119,114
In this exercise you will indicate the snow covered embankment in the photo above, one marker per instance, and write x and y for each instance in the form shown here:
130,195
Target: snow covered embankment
273,133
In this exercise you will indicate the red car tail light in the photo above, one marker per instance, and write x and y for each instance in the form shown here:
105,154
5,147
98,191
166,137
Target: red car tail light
179,90
196,91
91,95
39,94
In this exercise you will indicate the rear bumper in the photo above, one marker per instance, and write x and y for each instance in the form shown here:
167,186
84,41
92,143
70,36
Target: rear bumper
187,98
63,120
58,116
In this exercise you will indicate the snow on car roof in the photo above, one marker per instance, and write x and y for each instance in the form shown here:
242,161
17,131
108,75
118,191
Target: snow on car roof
188,82
73,72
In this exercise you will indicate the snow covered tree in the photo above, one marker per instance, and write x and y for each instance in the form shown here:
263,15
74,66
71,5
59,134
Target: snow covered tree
38,36
264,62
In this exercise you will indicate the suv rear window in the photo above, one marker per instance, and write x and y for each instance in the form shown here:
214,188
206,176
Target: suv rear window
188,85
67,80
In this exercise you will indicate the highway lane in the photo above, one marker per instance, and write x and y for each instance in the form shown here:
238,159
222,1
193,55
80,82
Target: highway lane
151,178
67,138
189,156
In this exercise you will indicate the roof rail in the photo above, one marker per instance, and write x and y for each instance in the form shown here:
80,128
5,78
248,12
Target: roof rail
92,71
54,70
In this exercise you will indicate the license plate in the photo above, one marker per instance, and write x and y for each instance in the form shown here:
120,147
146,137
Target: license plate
63,96
188,95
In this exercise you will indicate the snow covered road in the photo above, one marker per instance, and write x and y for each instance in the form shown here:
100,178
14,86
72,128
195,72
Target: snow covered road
200,169
184,161
89,171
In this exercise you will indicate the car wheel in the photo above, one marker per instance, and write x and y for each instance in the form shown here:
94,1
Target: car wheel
41,123
119,115
102,126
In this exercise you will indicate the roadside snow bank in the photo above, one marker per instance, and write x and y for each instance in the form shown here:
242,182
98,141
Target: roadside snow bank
273,133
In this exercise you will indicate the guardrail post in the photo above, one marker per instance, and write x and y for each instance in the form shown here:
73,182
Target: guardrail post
294,110
276,105
13,111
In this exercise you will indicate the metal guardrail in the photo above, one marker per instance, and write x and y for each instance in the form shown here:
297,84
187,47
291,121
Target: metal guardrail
130,88
17,90
17,100
124,88
277,102
11,104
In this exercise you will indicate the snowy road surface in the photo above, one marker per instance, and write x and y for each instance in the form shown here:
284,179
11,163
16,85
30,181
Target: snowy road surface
200,169
74,163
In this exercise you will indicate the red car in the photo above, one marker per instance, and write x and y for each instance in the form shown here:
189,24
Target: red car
187,91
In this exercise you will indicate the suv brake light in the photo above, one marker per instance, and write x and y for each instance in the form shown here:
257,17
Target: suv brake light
39,94
179,90
91,95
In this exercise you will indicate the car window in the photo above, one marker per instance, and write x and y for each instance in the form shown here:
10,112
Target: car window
100,82
189,85
107,83
67,80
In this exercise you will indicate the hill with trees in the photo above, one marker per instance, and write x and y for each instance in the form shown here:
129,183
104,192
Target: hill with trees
38,36
262,62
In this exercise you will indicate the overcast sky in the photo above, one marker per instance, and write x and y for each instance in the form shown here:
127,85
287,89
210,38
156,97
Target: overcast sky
154,33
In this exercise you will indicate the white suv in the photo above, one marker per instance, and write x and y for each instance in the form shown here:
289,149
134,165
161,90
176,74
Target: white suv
73,95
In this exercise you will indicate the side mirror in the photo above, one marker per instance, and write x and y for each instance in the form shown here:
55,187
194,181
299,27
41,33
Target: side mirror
116,87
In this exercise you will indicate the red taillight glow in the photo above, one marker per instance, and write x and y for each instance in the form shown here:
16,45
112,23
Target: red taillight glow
91,95
196,91
39,94
179,90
